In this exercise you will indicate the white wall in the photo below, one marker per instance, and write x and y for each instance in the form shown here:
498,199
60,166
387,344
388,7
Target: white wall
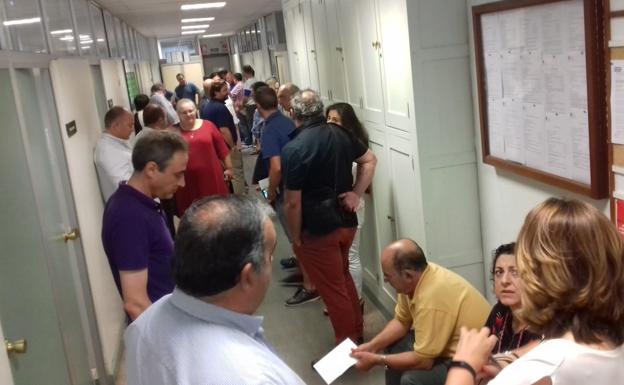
506,198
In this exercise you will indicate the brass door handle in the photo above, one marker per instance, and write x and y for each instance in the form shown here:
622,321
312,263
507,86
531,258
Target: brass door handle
71,236
17,347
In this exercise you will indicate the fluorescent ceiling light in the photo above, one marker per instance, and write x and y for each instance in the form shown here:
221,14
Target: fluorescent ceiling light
195,26
61,31
84,37
197,19
213,35
190,7
86,42
22,21
67,38
193,32
100,40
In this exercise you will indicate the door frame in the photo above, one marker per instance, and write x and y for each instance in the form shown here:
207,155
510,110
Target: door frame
64,196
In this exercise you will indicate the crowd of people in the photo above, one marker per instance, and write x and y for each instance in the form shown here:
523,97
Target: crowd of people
559,316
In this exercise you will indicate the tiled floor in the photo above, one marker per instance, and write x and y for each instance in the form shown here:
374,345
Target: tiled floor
301,334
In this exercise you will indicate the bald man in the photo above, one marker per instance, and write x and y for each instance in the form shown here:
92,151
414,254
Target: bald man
284,95
112,155
433,302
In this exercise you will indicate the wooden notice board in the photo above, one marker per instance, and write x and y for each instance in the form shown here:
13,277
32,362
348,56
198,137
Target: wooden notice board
541,88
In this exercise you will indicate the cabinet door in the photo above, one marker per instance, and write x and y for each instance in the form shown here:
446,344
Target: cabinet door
383,202
395,62
335,52
308,37
291,41
368,39
350,32
323,60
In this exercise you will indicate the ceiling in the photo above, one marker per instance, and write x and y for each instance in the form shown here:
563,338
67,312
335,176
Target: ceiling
161,18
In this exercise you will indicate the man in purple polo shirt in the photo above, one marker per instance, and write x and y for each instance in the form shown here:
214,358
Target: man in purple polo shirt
135,236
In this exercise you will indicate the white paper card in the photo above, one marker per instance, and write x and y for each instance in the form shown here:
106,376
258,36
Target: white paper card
617,101
336,362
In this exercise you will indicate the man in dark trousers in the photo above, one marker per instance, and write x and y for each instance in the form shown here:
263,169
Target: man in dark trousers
320,201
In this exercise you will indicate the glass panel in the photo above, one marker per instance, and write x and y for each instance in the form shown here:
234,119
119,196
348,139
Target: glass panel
60,26
110,34
121,44
98,30
81,10
25,29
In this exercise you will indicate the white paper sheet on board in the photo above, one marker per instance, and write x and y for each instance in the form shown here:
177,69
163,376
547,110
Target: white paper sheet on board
617,101
534,135
558,144
579,129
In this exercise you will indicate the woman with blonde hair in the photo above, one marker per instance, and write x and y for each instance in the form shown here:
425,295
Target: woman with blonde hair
571,261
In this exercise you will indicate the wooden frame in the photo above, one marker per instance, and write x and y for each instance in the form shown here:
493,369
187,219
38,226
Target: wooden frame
596,99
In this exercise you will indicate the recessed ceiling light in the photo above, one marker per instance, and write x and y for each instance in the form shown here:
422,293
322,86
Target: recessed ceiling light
193,32
197,19
190,7
195,26
22,21
213,35
61,31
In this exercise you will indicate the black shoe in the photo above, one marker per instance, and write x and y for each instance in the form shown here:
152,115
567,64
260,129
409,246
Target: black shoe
289,263
292,280
302,296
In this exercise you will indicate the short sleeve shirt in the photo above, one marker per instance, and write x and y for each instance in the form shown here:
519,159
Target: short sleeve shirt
216,112
187,91
318,162
135,237
278,131
442,303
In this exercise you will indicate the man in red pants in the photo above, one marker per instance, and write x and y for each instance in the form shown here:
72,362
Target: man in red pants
320,201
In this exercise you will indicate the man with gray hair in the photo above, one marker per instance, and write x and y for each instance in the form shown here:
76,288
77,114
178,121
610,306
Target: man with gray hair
205,332
320,201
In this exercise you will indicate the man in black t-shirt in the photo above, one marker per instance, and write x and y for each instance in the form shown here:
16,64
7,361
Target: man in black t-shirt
320,201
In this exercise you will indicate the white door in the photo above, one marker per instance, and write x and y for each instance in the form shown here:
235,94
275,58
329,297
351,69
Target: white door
370,56
323,60
114,78
308,32
383,205
394,52
71,79
44,295
350,50
337,78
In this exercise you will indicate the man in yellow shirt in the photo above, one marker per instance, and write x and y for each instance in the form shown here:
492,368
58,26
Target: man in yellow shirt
435,303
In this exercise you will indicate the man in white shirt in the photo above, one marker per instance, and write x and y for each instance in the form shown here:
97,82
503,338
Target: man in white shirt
206,331
113,152
158,97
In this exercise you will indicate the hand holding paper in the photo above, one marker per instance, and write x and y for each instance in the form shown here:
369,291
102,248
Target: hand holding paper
336,362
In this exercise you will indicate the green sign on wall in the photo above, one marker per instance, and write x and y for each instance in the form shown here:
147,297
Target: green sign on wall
133,86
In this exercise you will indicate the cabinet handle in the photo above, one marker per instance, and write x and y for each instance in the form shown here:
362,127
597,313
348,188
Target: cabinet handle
339,49
374,44
390,218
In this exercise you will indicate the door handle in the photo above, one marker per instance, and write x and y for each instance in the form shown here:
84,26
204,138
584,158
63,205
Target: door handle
390,218
17,347
71,236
